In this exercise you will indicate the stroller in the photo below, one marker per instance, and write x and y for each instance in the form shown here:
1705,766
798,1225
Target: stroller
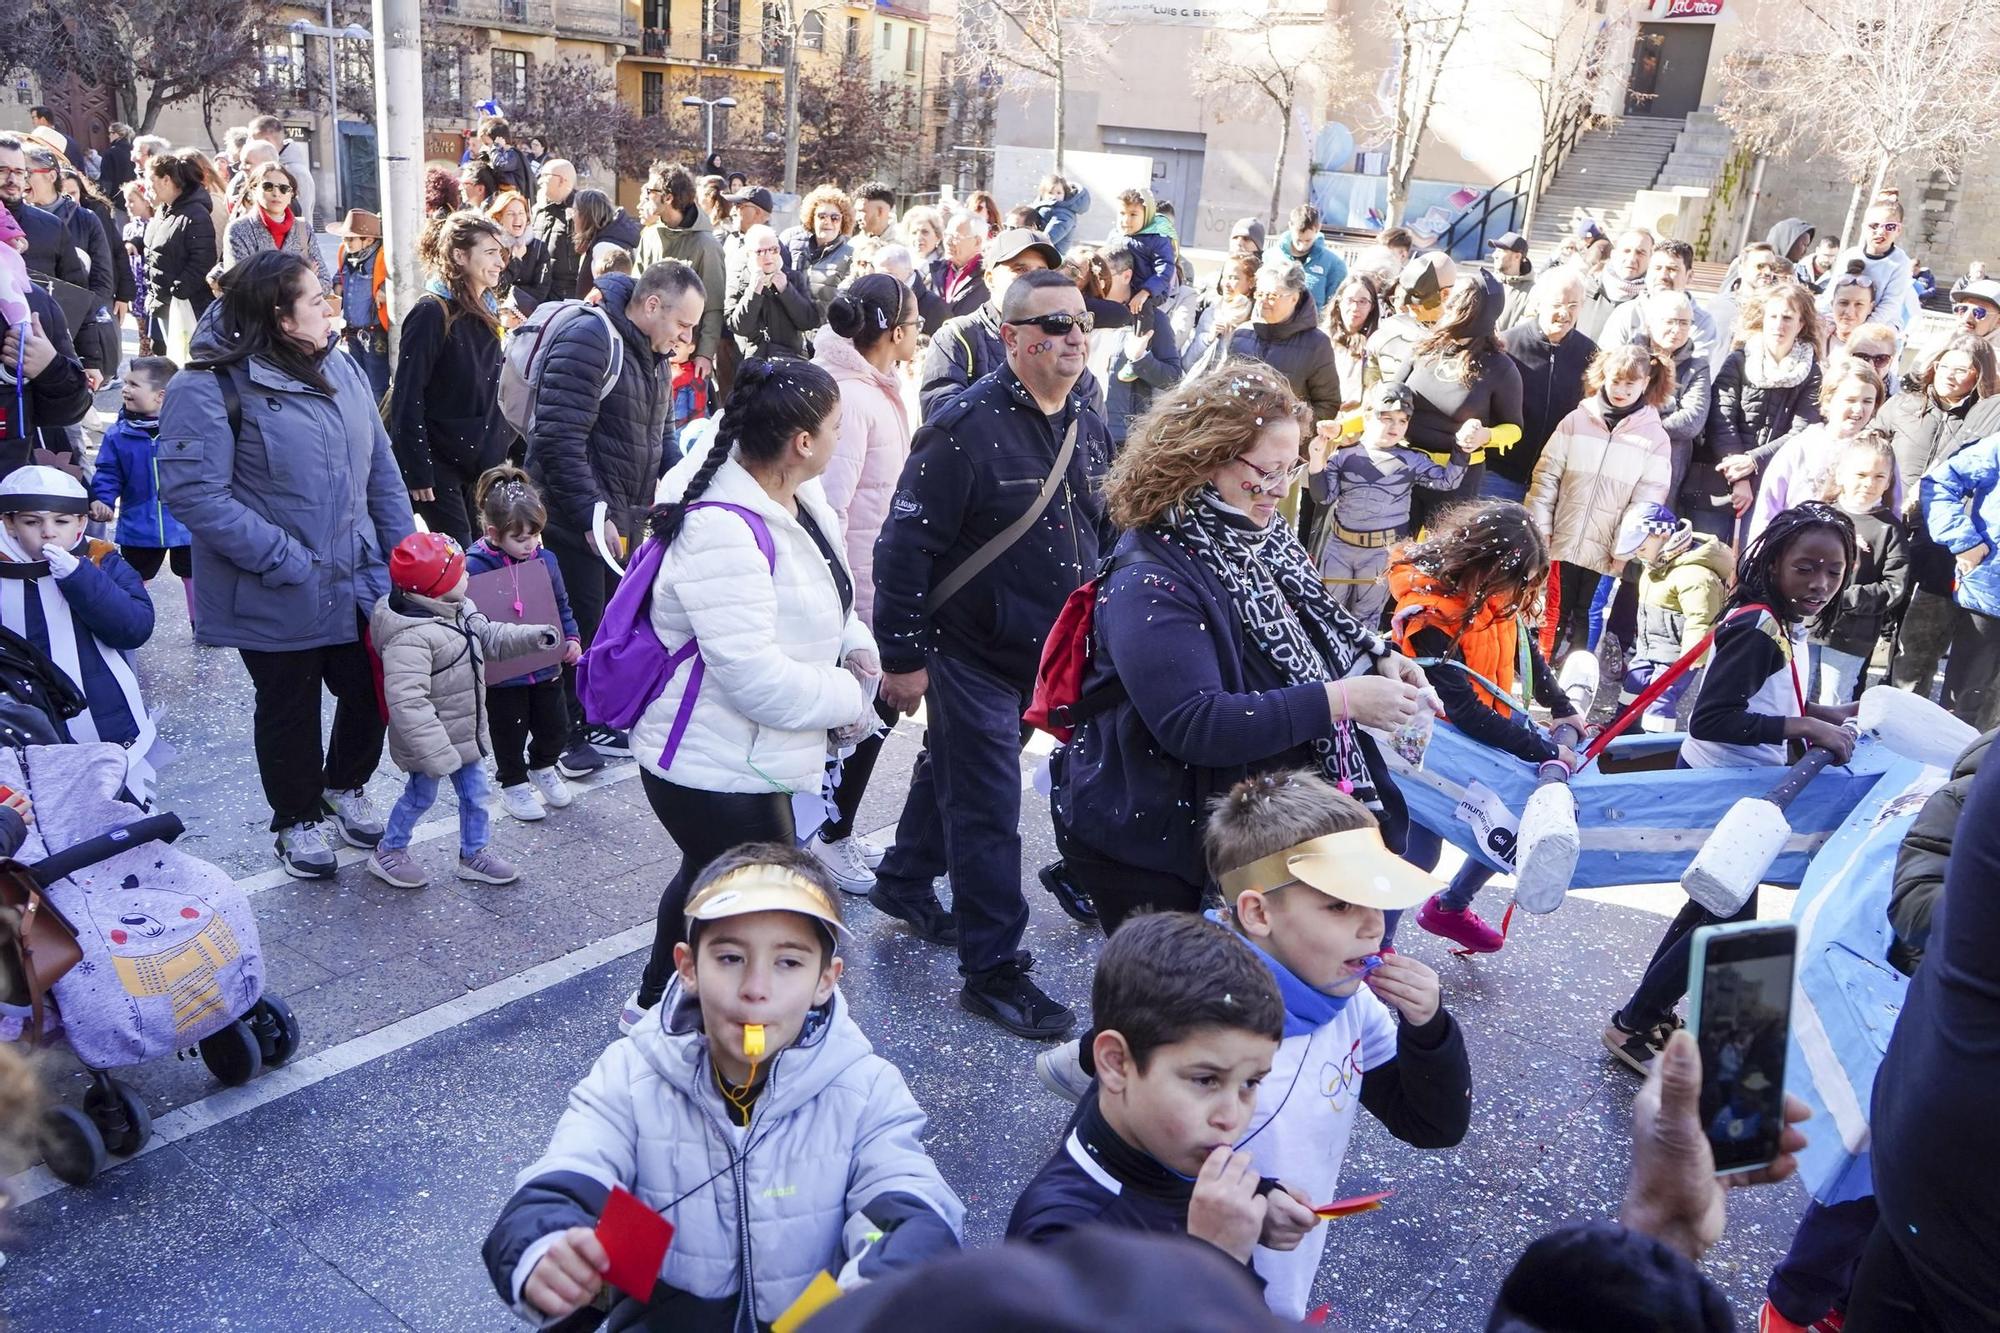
127,947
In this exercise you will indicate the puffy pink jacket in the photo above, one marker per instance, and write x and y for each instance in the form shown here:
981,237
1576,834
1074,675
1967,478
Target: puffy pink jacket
1591,475
867,459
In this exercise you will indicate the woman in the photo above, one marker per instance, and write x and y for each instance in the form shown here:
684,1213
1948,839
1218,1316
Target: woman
1224,309
923,229
1217,653
1768,383
1465,385
1670,334
785,655
721,214
444,413
820,251
872,332
682,232
1877,345
526,256
767,311
180,250
1355,315
1848,299
1551,353
984,205
596,223
1284,334
294,510
268,223
441,195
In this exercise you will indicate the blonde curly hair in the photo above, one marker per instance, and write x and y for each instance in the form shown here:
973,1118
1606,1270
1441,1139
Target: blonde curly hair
1192,431
827,194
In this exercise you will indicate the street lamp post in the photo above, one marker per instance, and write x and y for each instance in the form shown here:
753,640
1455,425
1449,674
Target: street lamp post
709,105
355,32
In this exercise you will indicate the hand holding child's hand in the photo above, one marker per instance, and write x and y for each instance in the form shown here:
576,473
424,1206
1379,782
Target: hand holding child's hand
1226,1210
1288,1217
1473,435
1407,986
569,1276
100,512
572,652
1738,467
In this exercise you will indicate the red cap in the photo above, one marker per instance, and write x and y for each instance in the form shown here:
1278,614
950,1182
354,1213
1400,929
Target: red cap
426,563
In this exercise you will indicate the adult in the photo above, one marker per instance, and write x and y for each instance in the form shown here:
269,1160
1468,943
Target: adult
180,250
478,182
441,193
1246,237
1216,654
268,223
984,206
1284,334
1845,304
1551,355
50,253
55,394
552,228
964,595
683,232
768,313
293,156
784,654
1225,307
1304,245
1350,322
1415,304
1670,322
1769,383
958,275
818,249
361,283
598,225
1145,361
516,290
80,194
277,462
751,207
117,167
1976,308
1621,280
46,129
970,347
444,417
876,205
93,331
1668,270
594,446
872,332
923,232
1464,384
1888,264
1517,275
708,191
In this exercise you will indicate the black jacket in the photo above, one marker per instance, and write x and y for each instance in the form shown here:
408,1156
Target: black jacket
971,298
1551,387
551,227
1746,417
1926,433
1493,397
621,231
180,250
584,449
765,321
1923,858
90,235
114,168
58,397
972,470
966,350
1873,602
443,406
51,252
1301,353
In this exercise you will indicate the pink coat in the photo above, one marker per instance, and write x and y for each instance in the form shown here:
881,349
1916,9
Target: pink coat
867,459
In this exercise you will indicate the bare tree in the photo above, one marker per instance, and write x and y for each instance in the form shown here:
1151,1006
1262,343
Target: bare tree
1248,66
1424,33
573,104
1572,47
1048,42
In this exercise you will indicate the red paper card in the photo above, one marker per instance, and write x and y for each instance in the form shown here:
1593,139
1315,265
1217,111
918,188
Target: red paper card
1360,1203
635,1239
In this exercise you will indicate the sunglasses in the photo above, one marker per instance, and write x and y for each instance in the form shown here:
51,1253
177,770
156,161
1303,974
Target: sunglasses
275,187
1276,482
1964,308
1060,325
1883,226
1876,359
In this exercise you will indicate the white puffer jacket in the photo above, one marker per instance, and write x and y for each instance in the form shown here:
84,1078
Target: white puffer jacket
1590,475
772,639
868,459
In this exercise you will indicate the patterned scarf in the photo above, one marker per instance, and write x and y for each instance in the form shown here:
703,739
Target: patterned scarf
1287,614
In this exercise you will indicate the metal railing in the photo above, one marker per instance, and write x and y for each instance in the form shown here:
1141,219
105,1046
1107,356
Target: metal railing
1475,222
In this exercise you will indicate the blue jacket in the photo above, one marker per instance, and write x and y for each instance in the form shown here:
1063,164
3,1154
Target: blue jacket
1961,500
1158,272
107,601
1059,216
128,478
483,557
1325,269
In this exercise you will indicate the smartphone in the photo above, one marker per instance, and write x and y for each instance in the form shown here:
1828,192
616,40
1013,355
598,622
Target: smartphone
1740,1007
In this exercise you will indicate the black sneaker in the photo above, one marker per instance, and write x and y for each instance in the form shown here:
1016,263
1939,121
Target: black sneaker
1076,904
925,916
1009,998
580,760
608,740
1639,1049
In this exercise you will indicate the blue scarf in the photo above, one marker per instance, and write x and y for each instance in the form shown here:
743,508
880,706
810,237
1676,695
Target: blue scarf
1306,1010
444,293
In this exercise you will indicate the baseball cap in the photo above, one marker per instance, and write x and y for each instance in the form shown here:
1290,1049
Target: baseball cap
1353,866
426,563
1981,289
1017,241
756,196
765,888
1388,396
1511,240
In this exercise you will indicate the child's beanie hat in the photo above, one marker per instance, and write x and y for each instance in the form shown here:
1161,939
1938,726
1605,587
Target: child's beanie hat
426,563
1642,521
41,488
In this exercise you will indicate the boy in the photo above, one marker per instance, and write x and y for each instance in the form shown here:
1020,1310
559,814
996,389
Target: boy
1687,576
824,1170
1152,238
690,386
127,479
1872,606
1303,868
1366,491
1187,1023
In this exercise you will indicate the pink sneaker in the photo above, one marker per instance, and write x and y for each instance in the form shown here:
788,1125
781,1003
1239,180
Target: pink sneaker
1465,929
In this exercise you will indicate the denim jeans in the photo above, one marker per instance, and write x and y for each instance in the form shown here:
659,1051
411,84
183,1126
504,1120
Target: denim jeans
1422,848
475,824
1493,486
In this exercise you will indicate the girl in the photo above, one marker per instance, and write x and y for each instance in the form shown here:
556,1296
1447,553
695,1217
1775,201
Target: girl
180,250
1862,474
528,712
1751,702
595,223
1460,595
268,223
1888,266
1603,460
1800,465
1767,384
1849,297
1223,310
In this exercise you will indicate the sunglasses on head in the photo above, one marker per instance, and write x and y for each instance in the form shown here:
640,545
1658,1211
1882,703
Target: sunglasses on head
1060,325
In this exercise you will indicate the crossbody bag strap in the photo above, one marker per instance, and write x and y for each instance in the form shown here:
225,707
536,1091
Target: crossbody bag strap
954,582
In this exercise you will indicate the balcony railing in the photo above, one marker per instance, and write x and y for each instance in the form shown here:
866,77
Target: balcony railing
655,42
724,48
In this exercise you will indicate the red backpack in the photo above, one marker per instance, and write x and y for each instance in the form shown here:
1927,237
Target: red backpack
1059,705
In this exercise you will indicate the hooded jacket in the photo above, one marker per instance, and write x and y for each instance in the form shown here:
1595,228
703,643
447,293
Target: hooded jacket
1325,269
128,479
1551,387
1925,854
1298,350
1492,396
868,456
1926,433
434,653
1787,233
1961,503
180,250
1592,474
1680,598
694,244
830,1175
623,232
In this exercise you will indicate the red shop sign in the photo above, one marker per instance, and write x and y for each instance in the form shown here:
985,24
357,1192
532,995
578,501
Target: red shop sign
1692,9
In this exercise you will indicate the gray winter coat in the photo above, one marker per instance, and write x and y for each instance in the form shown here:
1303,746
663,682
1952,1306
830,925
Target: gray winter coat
247,235
434,654
294,518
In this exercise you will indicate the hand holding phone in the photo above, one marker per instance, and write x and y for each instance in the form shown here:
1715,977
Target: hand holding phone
1740,1007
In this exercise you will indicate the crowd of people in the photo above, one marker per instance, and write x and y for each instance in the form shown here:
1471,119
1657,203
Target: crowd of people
757,490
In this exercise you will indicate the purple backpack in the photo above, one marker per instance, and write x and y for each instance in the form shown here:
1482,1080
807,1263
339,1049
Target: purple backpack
627,667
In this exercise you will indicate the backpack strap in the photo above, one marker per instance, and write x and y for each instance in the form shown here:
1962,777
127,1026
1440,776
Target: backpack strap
1111,692
760,530
614,364
232,398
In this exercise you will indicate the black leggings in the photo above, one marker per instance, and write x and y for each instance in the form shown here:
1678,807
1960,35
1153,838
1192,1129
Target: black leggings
854,775
146,560
704,825
529,718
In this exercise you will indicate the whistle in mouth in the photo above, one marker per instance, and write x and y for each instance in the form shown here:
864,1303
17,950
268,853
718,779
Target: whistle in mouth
753,1040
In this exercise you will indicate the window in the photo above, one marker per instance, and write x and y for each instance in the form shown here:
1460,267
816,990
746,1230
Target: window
659,15
281,66
513,11
510,79
888,36
913,56
812,33
24,92
444,82
853,37
652,94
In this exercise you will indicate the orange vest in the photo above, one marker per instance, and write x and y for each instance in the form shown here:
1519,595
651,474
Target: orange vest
1490,644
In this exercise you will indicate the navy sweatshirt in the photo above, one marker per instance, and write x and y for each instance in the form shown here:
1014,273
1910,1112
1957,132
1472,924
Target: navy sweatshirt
1480,720
1752,684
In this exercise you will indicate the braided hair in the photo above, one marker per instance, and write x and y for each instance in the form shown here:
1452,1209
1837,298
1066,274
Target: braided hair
771,401
1757,572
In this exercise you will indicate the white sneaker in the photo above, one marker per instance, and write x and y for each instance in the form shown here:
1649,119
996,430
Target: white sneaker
552,787
1060,1069
631,1015
871,852
843,860
354,817
519,801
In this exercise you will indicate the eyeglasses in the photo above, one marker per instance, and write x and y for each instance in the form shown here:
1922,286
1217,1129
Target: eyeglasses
1060,325
1967,308
13,173
828,215
1276,482
1677,323
1876,359
1883,226
275,187
768,250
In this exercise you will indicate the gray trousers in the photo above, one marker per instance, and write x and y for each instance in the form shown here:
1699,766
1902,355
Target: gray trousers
1369,566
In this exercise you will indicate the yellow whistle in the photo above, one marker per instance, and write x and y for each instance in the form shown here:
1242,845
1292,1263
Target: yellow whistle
753,1041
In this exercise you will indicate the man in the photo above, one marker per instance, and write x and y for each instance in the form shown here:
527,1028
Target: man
50,253
1623,278
145,148
509,162
1668,270
1976,308
968,649
592,447
1517,276
292,153
1147,362
1418,301
968,348
95,332
957,276
751,208
1325,270
116,168
557,279
1247,238
878,212
56,395
45,120
1552,355
233,141
1816,268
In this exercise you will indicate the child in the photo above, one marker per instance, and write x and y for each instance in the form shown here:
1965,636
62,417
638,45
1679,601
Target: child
1800,465
822,1171
690,387
77,600
128,478
1751,704
1608,455
1872,604
1680,594
530,711
1188,1021
1307,879
1460,594
1153,241
433,644
1366,490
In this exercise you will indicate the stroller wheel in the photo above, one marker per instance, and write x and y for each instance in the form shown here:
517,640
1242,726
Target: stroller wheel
233,1055
71,1146
120,1115
277,1031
